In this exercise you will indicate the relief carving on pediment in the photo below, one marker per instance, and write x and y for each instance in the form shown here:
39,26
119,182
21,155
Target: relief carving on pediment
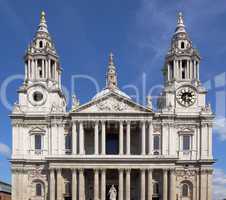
111,105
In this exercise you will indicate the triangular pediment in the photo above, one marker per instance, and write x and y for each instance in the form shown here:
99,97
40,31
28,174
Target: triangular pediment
111,103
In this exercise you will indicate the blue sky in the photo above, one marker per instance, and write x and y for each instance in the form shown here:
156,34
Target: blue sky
138,32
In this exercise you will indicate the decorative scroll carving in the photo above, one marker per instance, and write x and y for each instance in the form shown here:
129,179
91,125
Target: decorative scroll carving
185,174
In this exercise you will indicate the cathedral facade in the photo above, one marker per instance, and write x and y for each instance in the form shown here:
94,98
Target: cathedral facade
111,147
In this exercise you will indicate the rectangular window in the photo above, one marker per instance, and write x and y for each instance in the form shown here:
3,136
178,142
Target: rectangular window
156,142
68,143
38,142
186,142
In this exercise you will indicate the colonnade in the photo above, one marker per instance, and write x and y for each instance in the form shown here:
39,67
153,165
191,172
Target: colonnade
78,130
191,70
32,71
124,179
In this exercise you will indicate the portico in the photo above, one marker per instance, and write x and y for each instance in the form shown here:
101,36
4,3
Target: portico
126,180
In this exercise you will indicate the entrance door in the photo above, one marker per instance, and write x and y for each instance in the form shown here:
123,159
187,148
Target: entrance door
67,198
107,190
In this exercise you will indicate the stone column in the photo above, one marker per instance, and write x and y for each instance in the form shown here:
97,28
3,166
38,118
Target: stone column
96,184
36,69
52,184
81,185
74,184
172,185
49,68
96,138
26,70
103,138
121,137
168,72
128,184
165,184
59,184
194,65
150,184
210,182
120,184
103,184
143,146
197,70
55,71
81,138
43,69
74,138
128,138
150,138
142,184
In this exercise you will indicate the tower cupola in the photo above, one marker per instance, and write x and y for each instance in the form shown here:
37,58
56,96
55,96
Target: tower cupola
41,59
182,60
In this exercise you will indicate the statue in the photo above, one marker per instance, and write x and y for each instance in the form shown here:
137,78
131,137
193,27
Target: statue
112,193
149,102
75,102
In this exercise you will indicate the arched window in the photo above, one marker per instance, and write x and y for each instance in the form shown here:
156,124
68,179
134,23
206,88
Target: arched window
40,44
185,190
38,189
155,188
182,45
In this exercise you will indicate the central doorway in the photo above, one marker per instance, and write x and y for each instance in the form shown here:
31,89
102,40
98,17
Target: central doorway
111,179
108,186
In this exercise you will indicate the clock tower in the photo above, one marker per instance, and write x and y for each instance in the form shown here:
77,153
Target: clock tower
41,91
182,91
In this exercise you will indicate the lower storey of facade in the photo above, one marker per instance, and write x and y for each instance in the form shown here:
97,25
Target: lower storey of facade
45,182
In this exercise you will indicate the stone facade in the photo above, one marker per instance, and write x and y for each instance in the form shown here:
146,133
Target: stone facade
111,140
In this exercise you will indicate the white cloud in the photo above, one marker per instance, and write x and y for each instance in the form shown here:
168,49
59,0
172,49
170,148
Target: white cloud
219,184
220,127
5,150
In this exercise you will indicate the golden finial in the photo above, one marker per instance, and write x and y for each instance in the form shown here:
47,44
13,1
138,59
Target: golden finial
43,17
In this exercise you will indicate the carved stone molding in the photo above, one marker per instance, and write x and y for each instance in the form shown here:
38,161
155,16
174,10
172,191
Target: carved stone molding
185,174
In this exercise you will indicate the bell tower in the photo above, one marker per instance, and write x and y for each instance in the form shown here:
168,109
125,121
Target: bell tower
41,90
41,59
182,87
182,59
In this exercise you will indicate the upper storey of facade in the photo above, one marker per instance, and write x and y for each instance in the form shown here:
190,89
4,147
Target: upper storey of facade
180,128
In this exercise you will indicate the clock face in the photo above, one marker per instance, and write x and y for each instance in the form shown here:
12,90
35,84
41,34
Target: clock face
186,96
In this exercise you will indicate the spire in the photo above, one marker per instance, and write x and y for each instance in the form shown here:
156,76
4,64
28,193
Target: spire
42,25
111,60
180,24
111,81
